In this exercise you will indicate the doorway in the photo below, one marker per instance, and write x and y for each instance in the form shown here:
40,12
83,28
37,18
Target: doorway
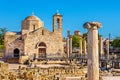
42,50
16,53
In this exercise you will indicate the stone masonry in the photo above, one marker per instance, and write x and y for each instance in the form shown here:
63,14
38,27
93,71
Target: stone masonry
34,39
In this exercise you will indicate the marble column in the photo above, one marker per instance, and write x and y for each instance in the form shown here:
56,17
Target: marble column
80,46
67,47
107,48
85,48
68,33
70,45
100,46
93,59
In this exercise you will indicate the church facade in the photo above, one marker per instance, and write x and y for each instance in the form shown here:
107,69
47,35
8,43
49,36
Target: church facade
34,39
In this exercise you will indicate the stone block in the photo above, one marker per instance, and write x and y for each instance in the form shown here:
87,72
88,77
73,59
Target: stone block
23,59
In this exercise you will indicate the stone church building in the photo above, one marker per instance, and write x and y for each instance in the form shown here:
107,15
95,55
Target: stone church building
34,39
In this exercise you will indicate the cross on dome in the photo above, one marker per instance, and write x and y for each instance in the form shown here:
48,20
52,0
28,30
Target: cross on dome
57,12
32,12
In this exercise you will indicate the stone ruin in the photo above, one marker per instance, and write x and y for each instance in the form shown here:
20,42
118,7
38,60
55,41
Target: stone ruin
39,73
50,73
61,73
4,72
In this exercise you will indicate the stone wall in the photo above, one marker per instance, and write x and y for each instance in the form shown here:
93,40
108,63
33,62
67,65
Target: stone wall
50,73
12,41
23,59
4,71
12,60
53,41
32,34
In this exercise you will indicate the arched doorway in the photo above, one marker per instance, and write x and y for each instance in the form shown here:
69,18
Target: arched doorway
16,53
42,50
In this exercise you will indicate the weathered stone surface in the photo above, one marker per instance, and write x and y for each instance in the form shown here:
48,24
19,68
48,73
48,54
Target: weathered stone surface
107,48
93,63
3,71
34,40
70,46
68,49
50,73
22,59
84,47
80,46
100,46
12,60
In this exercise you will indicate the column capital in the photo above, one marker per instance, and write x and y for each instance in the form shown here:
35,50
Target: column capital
92,25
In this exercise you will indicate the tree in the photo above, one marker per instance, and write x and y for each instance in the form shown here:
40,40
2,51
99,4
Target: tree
85,34
75,40
116,42
2,32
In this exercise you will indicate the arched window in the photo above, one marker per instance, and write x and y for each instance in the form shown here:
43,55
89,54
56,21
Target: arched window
57,23
16,53
42,32
42,44
33,27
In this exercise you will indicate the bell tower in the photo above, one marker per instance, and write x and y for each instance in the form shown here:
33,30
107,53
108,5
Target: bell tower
57,22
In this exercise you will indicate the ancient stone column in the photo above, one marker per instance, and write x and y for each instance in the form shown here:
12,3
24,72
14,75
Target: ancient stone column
68,33
100,46
107,48
67,47
85,50
80,45
93,59
70,46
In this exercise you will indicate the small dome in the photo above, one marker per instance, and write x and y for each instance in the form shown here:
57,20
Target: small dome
32,17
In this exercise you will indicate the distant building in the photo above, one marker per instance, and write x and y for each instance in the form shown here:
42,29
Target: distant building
77,33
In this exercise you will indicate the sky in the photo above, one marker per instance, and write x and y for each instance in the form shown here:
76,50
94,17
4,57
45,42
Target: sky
75,14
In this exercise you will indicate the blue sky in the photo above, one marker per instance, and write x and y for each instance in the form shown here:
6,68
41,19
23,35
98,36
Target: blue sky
75,14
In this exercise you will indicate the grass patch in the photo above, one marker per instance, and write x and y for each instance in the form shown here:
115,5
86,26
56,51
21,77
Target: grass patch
1,50
1,46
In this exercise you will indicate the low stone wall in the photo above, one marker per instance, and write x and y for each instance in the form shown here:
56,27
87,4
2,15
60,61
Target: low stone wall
4,71
12,60
56,62
50,73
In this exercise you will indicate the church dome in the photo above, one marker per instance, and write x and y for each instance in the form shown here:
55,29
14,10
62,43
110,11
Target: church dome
32,17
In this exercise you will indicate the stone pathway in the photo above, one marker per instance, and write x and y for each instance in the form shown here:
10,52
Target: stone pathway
111,78
15,66
105,78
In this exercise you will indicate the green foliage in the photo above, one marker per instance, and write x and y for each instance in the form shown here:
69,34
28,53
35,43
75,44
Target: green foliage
2,32
1,46
85,34
1,39
75,40
116,42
